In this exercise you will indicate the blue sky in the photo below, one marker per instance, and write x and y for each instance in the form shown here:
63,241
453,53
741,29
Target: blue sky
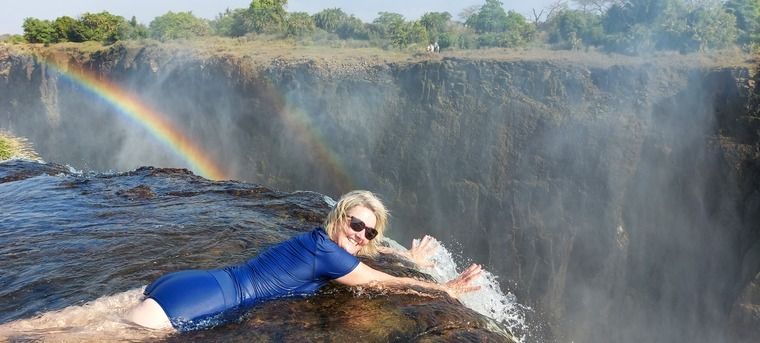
13,12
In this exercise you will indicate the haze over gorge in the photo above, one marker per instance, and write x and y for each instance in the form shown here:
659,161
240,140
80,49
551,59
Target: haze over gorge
618,197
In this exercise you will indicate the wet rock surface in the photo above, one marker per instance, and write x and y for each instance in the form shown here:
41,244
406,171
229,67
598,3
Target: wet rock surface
69,238
339,314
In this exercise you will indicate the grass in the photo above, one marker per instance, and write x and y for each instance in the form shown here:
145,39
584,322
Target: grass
15,147
261,51
5,149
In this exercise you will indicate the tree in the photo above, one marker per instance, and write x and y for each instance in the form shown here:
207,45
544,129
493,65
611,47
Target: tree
490,18
39,31
436,24
515,31
621,16
178,25
595,6
640,25
709,27
299,24
747,13
231,23
135,30
468,12
103,27
388,23
266,16
66,28
518,24
352,27
568,26
636,26
261,16
418,34
409,33
329,19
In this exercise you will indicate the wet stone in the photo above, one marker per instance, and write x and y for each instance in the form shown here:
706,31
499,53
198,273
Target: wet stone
17,170
183,221
139,192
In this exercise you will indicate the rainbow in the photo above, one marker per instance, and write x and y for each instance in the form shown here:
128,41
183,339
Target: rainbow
151,120
313,141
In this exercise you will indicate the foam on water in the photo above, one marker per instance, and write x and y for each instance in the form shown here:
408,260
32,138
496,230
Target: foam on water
489,300
95,321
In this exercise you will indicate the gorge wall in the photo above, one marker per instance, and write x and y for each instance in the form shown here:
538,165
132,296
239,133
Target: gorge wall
620,200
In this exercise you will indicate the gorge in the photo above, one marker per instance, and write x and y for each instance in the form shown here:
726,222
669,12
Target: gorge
619,197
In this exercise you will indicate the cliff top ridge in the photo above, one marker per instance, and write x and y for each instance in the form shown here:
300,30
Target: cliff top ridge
268,52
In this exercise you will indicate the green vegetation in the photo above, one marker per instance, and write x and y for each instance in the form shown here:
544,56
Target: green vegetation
569,29
262,16
645,25
300,24
631,27
102,27
5,149
499,28
178,25
11,146
747,13
12,39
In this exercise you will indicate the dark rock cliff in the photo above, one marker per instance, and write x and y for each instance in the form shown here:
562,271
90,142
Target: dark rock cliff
620,200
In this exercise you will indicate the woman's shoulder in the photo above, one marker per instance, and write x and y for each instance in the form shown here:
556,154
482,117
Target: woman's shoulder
322,240
319,235
315,238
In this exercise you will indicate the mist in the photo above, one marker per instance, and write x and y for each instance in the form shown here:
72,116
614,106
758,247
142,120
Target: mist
612,198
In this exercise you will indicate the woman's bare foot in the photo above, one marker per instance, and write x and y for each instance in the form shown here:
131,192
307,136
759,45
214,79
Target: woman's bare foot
148,313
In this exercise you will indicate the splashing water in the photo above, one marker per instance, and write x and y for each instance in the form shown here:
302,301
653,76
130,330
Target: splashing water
489,300
94,321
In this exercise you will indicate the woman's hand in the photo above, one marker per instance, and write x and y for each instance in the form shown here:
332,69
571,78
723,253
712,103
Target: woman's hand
423,250
463,283
365,275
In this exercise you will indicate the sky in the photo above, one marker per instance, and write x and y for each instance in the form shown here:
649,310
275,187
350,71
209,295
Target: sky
13,12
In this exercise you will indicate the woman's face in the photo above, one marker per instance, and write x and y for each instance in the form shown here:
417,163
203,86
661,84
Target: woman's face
349,239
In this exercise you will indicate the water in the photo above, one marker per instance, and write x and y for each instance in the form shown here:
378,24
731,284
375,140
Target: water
489,301
76,250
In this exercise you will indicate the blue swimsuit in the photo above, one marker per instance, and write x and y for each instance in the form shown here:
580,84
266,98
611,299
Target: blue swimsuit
299,266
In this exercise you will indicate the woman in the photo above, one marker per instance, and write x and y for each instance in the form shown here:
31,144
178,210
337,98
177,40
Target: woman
194,299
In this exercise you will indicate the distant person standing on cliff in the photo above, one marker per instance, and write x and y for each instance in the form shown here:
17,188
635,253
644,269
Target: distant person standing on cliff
197,299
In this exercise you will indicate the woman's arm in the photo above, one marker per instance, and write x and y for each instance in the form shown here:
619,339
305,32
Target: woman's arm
364,274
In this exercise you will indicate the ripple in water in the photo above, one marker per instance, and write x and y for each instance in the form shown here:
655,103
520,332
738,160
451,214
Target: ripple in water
76,250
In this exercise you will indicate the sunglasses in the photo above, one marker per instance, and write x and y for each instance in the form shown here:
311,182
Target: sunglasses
358,225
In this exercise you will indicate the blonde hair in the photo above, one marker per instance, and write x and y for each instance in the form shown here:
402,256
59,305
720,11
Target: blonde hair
339,214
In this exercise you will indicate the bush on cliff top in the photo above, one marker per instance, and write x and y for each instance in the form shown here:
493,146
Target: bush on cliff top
101,27
633,27
178,25
5,149
11,146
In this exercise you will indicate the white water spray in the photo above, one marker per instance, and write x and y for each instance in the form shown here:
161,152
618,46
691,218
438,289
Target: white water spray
489,300
95,321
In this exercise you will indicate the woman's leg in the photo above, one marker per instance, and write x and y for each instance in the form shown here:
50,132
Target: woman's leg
187,300
148,313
